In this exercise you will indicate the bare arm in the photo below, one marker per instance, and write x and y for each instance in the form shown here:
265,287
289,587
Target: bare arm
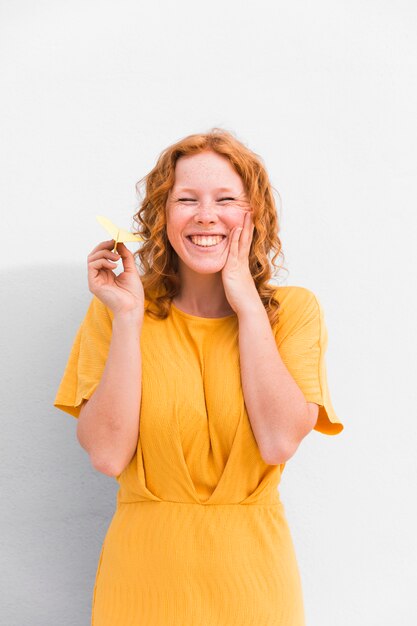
279,414
108,424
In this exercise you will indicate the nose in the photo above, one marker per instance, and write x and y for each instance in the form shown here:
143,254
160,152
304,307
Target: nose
206,213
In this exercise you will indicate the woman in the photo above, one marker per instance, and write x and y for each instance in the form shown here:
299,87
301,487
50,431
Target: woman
193,383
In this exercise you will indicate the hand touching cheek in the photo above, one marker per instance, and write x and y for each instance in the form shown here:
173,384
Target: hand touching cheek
238,283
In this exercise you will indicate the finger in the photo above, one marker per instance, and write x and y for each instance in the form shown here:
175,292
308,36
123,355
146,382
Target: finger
128,259
108,254
101,264
246,236
234,242
103,245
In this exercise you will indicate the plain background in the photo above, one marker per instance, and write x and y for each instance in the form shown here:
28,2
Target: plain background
325,93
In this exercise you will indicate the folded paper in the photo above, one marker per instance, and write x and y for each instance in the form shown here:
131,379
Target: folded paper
118,234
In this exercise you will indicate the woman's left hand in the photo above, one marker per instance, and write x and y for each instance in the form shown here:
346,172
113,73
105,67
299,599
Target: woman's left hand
238,283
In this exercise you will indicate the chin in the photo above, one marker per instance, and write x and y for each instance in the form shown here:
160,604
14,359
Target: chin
202,268
198,269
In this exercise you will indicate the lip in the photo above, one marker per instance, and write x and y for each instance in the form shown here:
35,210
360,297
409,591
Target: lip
205,249
206,234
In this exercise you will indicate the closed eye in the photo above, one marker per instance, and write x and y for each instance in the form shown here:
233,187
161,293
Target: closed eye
192,199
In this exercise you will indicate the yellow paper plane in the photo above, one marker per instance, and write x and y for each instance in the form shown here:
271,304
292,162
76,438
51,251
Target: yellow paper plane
118,234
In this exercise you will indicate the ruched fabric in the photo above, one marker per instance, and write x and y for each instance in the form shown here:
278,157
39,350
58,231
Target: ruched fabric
199,535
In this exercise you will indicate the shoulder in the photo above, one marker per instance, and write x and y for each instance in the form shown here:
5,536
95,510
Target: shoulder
294,298
297,305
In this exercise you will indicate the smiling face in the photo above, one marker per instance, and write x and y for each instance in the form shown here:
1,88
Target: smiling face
208,199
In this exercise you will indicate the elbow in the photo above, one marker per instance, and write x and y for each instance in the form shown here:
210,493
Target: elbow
113,467
278,454
97,462
275,453
105,467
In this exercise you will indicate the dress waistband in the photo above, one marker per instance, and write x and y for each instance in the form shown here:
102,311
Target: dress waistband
268,499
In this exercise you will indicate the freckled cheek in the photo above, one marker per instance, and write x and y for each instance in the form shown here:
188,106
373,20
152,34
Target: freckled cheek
174,233
234,218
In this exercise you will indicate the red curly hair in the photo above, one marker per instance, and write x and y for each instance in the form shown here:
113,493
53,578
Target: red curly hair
158,259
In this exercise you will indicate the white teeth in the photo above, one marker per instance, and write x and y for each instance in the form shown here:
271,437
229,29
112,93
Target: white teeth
206,241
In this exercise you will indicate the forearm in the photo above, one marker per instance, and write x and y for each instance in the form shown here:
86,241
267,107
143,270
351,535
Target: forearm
275,404
108,425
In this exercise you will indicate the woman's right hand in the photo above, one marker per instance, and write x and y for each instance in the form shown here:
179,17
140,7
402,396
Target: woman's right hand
122,293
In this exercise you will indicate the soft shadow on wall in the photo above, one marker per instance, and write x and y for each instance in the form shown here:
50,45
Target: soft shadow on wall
55,507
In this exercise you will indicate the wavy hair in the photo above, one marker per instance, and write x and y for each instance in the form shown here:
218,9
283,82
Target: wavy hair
158,259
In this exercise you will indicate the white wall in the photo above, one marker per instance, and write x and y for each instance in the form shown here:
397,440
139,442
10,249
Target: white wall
325,92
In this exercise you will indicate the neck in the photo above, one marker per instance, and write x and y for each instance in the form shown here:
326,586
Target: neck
202,295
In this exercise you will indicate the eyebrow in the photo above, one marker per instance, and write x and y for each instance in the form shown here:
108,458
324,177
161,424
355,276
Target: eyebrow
191,189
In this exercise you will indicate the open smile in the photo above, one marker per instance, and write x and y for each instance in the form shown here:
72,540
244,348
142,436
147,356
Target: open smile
206,247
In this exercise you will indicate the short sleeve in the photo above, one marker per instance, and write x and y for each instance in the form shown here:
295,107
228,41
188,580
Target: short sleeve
87,358
302,342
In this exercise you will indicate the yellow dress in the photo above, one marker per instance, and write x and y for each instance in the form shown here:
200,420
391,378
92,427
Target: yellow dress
199,536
